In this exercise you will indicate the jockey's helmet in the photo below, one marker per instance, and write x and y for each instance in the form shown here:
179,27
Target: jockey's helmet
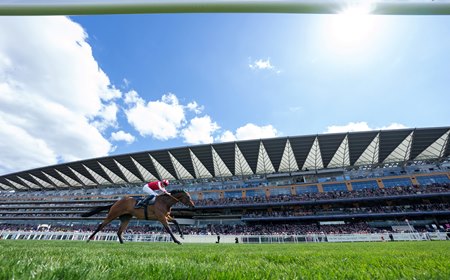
165,182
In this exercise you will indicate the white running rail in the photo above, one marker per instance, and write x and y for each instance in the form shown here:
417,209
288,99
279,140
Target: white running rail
257,239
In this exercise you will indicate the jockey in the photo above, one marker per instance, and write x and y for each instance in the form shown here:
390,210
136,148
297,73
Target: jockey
151,188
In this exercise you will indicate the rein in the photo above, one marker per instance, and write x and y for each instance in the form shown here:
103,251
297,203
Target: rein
177,200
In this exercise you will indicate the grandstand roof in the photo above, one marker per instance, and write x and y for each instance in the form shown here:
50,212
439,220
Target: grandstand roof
295,154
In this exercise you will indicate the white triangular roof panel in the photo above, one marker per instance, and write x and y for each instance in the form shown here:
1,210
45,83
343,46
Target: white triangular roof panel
130,176
371,153
435,150
264,164
402,152
200,170
144,172
288,162
17,185
314,158
83,178
342,156
220,169
42,182
241,166
29,184
98,178
5,187
182,173
69,180
55,181
116,179
163,173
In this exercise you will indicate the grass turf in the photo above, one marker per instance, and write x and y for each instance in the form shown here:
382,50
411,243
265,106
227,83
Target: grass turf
67,260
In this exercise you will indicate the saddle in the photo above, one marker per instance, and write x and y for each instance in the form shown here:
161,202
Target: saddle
142,202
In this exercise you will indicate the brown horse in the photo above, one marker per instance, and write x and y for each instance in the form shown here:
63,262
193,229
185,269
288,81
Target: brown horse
124,210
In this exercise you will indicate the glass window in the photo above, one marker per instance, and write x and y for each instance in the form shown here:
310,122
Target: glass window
364,185
334,187
211,195
255,193
436,179
306,189
397,182
237,194
275,192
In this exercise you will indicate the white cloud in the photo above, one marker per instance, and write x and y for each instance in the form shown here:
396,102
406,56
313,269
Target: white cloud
166,119
249,131
393,126
200,130
126,82
19,148
227,136
107,117
53,95
360,126
160,119
194,107
133,97
261,64
122,136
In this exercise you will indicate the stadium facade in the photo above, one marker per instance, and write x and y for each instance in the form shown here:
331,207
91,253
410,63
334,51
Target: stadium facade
356,180
285,156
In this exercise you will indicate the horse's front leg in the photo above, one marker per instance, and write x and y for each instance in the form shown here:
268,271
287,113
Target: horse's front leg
172,219
164,222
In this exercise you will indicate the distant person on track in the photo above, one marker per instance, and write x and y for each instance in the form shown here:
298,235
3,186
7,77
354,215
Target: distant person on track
151,189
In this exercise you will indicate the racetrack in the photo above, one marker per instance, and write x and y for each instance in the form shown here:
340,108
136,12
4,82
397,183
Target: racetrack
21,259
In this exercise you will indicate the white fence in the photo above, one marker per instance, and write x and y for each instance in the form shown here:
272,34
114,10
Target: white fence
30,235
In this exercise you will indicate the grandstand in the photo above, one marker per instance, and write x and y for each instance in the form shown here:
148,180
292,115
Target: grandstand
387,181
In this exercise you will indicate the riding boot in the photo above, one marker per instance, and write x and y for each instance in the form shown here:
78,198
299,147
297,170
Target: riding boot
144,201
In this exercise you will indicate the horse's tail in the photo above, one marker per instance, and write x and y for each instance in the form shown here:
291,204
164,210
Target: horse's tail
96,210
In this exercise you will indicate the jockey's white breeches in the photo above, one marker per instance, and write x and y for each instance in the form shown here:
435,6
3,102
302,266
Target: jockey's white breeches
148,191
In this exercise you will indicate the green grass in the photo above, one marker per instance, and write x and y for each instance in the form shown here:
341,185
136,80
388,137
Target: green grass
105,260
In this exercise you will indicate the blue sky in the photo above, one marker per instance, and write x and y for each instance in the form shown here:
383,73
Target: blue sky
89,86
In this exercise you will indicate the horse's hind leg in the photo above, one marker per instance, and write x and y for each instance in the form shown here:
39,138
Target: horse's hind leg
124,220
108,219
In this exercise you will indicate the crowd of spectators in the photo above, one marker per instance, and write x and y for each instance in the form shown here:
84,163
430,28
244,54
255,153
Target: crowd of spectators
310,196
349,210
223,229
286,212
284,229
69,210
237,229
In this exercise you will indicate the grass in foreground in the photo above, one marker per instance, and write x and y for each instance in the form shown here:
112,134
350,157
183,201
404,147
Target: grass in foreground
104,260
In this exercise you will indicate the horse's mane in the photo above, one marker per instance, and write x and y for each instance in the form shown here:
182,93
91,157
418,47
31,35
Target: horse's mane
177,191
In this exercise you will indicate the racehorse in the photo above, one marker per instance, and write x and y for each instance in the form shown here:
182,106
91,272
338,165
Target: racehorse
124,210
